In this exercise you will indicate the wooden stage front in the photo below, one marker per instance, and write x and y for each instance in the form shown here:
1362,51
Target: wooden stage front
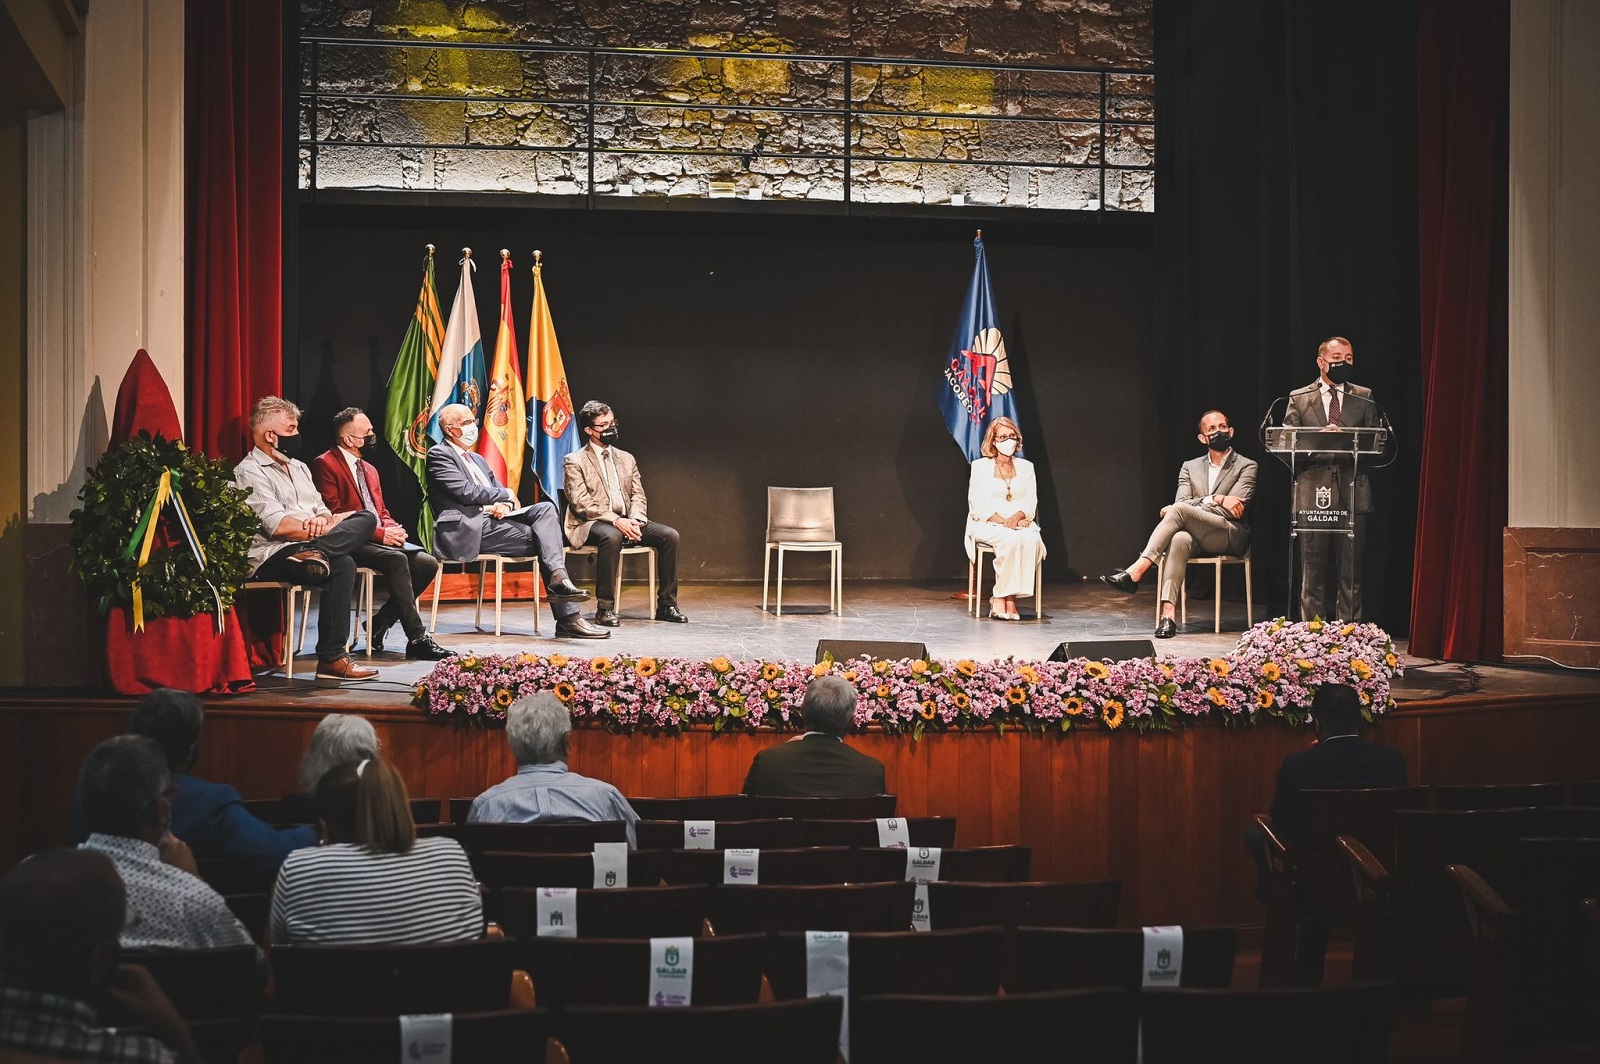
1164,813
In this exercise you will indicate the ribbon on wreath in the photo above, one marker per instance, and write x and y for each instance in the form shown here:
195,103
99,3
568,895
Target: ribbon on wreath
169,491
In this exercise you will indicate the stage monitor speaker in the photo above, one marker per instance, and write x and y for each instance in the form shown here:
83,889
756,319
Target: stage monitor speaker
845,649
1100,649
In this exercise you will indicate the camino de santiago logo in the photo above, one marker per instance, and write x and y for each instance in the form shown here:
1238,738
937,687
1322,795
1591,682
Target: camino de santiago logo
1324,497
980,374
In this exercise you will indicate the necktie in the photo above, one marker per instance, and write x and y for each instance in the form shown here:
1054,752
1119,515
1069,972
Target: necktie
1333,407
476,473
361,487
619,505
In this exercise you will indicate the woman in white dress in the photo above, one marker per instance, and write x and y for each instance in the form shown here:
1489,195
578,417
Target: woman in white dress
1002,503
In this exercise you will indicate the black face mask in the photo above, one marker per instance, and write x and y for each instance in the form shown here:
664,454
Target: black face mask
288,445
1220,440
1339,372
609,436
369,447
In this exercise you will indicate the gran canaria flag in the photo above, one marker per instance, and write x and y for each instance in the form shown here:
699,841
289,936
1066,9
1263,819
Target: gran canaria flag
410,404
976,385
551,424
503,441
461,375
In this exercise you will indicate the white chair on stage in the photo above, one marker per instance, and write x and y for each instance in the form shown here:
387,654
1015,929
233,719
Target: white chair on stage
593,552
482,562
801,519
975,581
366,580
291,593
1216,561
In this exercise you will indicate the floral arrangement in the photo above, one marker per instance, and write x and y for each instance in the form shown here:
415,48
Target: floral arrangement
1273,673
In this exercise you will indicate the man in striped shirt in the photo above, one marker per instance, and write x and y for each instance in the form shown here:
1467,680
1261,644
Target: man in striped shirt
538,729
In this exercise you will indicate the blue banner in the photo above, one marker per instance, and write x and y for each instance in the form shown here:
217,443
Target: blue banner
976,386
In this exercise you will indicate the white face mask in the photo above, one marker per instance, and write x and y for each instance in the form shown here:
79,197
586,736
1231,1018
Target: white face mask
1006,447
469,435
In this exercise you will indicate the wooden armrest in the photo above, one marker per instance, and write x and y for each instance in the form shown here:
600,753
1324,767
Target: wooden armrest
555,1052
1371,878
522,994
1276,847
1484,904
493,930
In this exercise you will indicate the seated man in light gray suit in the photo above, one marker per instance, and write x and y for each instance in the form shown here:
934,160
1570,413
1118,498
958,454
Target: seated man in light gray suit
475,514
1207,512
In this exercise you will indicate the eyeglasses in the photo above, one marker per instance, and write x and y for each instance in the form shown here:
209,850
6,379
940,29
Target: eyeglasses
1002,439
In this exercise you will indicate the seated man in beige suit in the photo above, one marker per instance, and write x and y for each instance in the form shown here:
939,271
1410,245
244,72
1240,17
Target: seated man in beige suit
606,509
1206,514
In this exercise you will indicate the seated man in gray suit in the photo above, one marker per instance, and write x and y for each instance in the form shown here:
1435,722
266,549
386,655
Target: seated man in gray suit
475,514
818,764
1207,512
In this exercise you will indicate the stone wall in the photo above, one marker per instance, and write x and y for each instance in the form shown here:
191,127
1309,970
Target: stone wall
695,126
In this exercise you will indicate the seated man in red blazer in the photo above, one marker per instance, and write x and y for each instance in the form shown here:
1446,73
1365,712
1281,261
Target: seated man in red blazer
348,482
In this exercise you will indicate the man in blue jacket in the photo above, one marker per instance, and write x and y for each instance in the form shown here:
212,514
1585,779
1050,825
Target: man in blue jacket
209,817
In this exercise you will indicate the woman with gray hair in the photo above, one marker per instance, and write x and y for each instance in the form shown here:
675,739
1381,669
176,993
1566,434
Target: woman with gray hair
340,739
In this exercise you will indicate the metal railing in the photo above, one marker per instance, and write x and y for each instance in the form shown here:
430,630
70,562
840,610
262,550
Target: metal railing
371,115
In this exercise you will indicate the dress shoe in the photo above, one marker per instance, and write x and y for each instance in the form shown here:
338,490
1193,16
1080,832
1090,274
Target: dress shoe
1167,628
671,613
380,628
608,618
310,565
1121,581
423,648
565,591
344,668
578,628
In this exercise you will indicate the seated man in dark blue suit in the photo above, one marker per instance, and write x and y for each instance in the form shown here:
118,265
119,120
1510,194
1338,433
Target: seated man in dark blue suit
818,764
473,514
210,817
1341,759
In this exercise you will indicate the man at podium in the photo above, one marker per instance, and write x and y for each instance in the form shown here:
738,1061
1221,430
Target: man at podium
1330,562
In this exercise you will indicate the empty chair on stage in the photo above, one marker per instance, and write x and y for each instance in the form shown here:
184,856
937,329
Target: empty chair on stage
1002,512
538,728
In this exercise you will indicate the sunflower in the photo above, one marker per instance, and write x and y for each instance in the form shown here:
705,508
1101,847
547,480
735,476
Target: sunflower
1346,630
1264,699
929,710
558,661
1029,673
961,700
469,663
1016,695
527,659
821,668
1096,669
1166,670
503,697
1360,668
1270,672
1111,714
1220,667
967,668
880,667
1305,664
734,697
1216,696
770,672
1390,660
850,676
565,691
1073,706
600,665
1315,625
773,694
882,690
919,667
647,667
720,664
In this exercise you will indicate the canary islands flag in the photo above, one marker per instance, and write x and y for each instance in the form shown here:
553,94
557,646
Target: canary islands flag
461,376
551,424
503,441
975,387
410,402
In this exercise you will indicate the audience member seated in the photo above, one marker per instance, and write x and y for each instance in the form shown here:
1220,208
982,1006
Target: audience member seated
127,793
538,729
818,764
209,817
61,913
339,739
374,881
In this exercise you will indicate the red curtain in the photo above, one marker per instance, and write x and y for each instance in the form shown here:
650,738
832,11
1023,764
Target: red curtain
1462,101
234,121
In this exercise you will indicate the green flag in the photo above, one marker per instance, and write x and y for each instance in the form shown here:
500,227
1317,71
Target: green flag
405,420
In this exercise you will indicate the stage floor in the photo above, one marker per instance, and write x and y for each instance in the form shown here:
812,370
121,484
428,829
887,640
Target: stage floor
728,619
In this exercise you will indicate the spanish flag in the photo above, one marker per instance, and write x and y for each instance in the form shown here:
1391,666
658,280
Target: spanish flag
503,441
551,423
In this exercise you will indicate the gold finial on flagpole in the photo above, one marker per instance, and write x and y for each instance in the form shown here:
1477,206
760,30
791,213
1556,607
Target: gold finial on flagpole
430,251
504,254
538,258
980,234
467,252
